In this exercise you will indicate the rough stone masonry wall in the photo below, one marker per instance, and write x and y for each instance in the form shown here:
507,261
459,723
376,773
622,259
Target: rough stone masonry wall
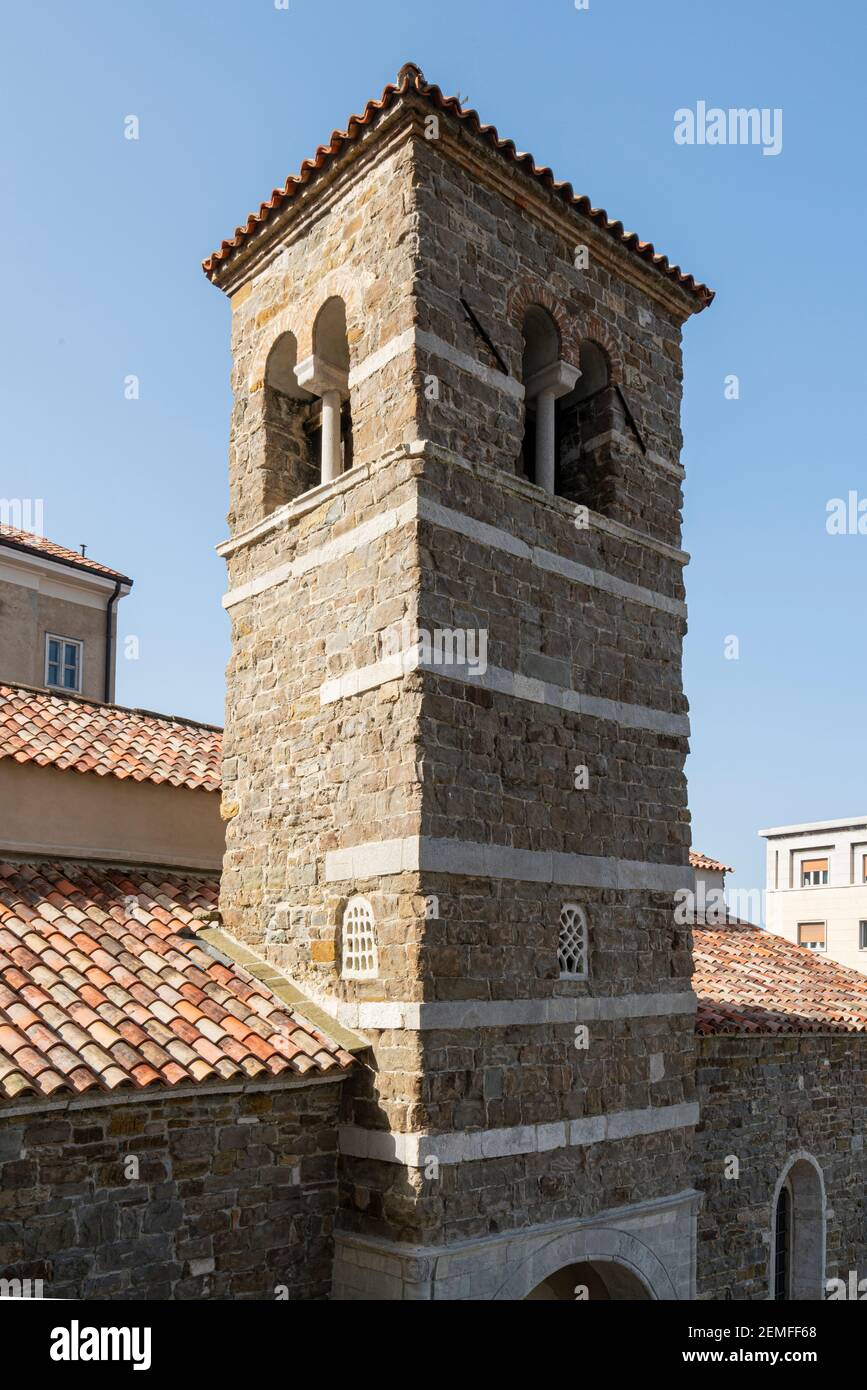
302,778
479,239
425,754
357,243
764,1098
499,769
299,777
481,1078
234,1198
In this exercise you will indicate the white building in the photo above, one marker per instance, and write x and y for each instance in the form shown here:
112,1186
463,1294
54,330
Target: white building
710,874
817,887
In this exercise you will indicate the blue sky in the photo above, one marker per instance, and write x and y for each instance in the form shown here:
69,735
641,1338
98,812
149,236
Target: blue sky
103,239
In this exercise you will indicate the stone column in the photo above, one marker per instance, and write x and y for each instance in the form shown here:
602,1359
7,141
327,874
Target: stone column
331,460
323,379
546,387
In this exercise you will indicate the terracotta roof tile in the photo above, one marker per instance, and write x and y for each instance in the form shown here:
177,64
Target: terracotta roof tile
701,861
32,544
753,981
64,731
67,1037
411,81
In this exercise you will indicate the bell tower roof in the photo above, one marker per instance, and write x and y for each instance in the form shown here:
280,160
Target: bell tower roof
411,86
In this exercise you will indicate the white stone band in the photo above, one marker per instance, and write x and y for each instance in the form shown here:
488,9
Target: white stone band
416,1150
509,1013
427,510
468,858
498,539
437,347
350,541
503,682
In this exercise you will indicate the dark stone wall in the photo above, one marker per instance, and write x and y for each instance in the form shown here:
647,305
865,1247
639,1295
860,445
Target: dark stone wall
762,1100
497,248
235,1197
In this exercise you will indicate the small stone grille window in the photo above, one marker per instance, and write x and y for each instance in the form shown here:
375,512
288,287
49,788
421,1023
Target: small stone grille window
572,951
359,941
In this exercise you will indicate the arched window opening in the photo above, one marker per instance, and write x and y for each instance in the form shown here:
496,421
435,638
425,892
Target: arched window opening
289,467
359,957
798,1233
546,379
586,418
325,374
572,943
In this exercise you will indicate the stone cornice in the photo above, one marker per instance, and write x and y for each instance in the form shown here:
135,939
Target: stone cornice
314,201
404,120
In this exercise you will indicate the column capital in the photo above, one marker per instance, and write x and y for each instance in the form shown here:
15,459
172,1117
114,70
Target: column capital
318,376
557,379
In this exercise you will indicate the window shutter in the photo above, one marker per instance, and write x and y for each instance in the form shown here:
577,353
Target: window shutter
811,933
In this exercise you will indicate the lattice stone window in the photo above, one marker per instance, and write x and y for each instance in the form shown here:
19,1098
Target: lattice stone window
359,958
572,950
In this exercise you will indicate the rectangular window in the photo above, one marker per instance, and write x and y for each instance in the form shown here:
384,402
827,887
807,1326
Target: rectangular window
812,935
864,869
63,660
862,935
813,872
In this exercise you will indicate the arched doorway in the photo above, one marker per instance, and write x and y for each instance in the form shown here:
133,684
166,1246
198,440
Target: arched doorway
627,1266
591,1281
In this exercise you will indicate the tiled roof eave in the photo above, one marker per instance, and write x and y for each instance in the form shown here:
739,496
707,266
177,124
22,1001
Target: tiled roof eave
751,982
697,860
107,989
51,728
411,82
31,1101
54,554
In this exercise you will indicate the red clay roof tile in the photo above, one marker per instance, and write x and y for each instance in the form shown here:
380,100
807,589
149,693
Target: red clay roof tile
32,544
411,81
753,981
701,861
65,731
69,1037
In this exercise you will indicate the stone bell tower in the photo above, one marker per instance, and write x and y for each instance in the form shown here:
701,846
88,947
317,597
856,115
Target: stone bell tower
455,725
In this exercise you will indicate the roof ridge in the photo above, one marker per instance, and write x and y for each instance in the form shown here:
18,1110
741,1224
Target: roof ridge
411,80
34,544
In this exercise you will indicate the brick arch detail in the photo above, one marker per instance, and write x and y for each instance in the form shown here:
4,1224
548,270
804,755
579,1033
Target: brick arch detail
531,291
591,329
573,327
300,319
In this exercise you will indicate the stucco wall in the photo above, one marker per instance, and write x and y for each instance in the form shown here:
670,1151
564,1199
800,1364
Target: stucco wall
841,903
46,810
28,614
